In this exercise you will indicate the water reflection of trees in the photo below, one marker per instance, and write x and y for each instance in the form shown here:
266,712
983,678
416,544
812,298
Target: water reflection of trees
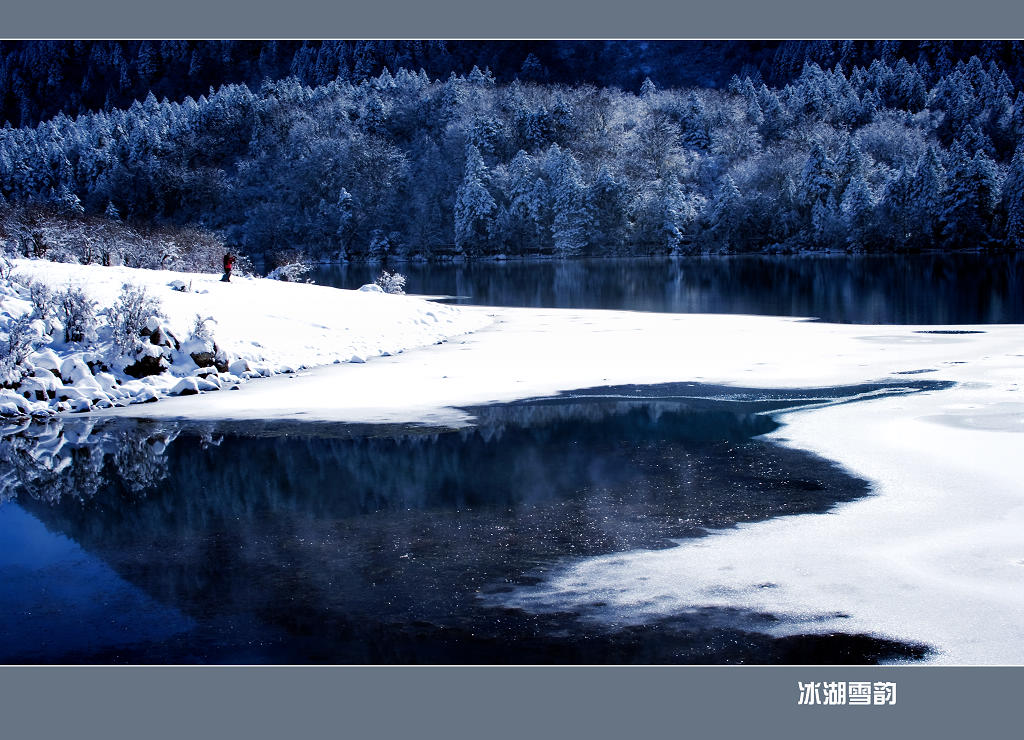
908,289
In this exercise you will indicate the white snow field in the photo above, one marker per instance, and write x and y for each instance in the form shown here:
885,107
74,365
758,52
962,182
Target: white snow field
273,326
934,556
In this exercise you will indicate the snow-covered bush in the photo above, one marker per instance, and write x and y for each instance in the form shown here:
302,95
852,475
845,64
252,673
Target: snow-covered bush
43,300
391,282
201,328
202,347
291,272
78,314
130,314
20,342
6,267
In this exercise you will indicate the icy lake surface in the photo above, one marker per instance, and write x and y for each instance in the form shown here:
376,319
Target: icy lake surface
130,541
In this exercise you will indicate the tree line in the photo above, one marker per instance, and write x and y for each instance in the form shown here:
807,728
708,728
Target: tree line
884,157
39,79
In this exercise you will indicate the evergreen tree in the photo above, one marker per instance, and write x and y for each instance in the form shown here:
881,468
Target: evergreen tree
857,210
725,221
827,228
926,194
817,180
571,219
474,207
970,199
1013,201
608,203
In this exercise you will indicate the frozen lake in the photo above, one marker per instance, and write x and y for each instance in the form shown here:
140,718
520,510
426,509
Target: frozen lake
128,541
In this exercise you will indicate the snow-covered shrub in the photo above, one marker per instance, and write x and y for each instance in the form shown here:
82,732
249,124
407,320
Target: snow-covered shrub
78,314
43,300
21,341
202,347
6,267
130,314
291,272
201,328
391,282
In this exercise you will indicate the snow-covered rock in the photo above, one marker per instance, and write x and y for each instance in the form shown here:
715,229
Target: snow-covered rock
45,359
144,394
74,368
186,387
39,387
207,384
239,367
107,381
371,288
13,404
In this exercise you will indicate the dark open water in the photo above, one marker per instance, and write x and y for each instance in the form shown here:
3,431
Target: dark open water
299,543
915,289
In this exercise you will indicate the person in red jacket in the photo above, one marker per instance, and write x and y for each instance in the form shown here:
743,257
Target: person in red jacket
229,262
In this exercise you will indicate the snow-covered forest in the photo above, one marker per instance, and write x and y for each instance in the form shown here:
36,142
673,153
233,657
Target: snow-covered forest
880,146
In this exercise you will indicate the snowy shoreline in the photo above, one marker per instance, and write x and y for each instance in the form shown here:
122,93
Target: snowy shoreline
258,328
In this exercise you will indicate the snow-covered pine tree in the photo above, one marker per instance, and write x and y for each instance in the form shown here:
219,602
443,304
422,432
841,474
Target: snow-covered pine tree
474,207
679,215
725,219
827,227
608,207
518,230
571,218
857,209
817,179
1013,201
970,199
695,126
926,196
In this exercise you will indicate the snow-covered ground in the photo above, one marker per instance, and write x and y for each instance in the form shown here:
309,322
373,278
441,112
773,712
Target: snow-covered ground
936,556
272,326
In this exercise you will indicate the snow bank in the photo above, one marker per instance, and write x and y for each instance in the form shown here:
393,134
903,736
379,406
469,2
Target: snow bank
260,327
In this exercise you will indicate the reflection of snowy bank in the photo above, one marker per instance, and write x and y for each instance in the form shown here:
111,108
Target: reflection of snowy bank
381,535
52,460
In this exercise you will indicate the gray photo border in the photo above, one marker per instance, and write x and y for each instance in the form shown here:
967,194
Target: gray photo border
499,702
